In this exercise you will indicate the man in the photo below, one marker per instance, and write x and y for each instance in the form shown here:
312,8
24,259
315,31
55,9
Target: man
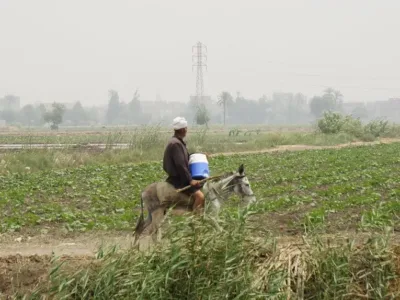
176,164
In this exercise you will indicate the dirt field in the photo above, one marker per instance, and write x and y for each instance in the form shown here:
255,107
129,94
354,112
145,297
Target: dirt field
25,257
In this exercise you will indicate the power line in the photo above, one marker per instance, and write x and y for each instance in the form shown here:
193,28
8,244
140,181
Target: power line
199,60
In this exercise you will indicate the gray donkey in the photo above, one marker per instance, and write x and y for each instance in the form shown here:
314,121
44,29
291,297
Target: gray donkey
158,197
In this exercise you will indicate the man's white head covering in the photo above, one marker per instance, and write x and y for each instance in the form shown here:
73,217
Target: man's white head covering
179,123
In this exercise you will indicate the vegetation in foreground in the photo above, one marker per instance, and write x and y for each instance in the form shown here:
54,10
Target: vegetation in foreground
197,262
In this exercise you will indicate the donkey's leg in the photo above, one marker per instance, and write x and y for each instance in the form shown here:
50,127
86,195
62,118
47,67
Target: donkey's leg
157,219
153,206
214,208
169,200
142,226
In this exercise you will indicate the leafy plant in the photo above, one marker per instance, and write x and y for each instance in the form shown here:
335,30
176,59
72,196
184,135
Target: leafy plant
331,122
377,127
202,116
55,117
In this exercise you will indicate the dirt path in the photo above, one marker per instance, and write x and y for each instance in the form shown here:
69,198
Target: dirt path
283,148
81,245
87,244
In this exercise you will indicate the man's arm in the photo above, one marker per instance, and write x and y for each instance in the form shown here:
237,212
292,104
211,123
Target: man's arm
179,160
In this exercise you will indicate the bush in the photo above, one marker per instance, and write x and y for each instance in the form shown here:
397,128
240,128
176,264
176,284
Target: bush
334,123
331,122
377,127
353,127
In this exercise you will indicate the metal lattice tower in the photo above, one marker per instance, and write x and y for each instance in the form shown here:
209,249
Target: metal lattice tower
199,60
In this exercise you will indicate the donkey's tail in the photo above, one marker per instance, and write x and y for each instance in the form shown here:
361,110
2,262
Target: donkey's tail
140,223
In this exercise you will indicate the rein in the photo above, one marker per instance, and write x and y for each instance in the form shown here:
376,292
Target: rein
200,181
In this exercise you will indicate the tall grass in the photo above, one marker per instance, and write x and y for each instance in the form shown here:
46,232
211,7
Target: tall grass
197,262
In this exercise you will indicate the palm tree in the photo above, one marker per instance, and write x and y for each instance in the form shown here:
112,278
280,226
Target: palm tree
224,99
335,94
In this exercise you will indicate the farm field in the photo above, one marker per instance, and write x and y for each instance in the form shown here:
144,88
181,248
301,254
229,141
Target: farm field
105,197
318,194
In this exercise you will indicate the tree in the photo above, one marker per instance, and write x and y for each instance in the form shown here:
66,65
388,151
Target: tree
135,108
9,116
10,102
331,100
202,116
113,106
336,95
318,105
78,113
224,100
55,117
29,115
42,111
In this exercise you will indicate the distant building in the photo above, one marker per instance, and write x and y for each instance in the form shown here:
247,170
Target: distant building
349,107
388,109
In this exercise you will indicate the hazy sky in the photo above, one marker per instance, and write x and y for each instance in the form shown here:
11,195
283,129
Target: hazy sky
70,50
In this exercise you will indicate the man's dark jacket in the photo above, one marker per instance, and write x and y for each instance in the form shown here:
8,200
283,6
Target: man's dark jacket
176,163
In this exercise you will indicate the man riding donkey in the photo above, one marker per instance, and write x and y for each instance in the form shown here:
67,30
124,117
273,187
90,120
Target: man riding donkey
161,196
158,197
176,165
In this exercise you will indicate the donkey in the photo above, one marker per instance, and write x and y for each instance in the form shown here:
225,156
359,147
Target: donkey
158,197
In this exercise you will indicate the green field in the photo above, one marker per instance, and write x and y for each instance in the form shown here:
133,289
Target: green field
331,189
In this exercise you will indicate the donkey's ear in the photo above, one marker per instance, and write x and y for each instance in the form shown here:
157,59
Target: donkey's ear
241,169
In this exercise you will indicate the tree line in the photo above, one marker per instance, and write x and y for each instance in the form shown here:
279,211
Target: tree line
281,108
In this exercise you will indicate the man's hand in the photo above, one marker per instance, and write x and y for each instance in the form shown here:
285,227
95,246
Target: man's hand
195,183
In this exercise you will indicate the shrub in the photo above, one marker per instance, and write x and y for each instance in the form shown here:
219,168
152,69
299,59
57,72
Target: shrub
331,122
377,127
353,126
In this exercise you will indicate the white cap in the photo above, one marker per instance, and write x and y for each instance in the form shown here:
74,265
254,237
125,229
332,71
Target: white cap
179,123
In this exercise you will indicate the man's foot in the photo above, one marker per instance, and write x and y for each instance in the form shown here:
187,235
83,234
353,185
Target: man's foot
198,211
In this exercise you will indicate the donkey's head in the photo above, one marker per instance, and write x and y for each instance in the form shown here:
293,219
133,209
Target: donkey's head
238,183
241,186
